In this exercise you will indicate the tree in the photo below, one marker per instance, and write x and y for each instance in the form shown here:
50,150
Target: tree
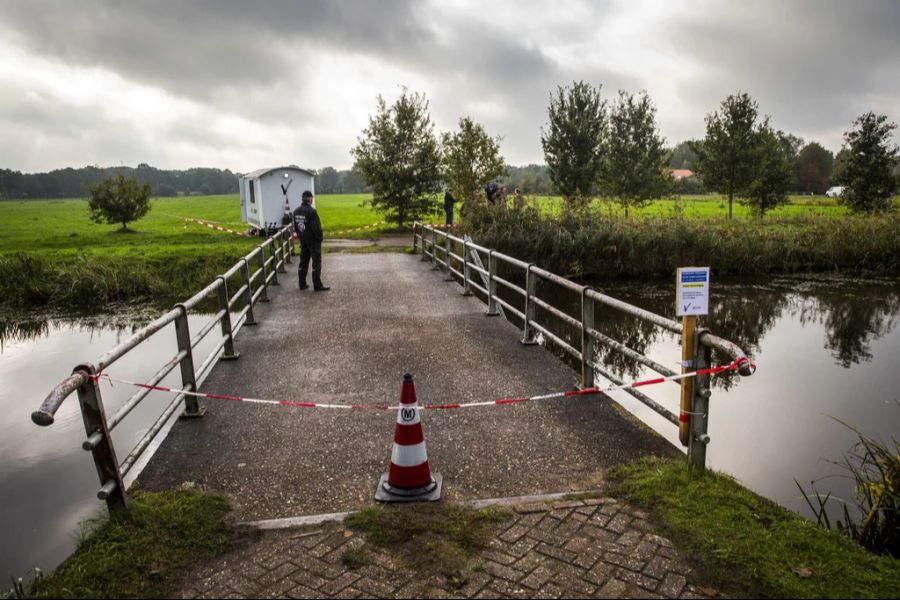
811,179
635,163
725,157
471,159
868,173
119,199
573,144
814,165
327,181
774,175
398,156
683,155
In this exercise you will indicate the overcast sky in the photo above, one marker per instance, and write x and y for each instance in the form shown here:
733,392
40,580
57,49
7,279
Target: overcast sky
244,85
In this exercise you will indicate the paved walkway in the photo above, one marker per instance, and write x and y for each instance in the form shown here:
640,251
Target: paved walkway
592,548
385,315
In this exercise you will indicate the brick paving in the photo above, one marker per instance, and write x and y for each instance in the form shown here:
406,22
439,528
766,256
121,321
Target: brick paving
590,548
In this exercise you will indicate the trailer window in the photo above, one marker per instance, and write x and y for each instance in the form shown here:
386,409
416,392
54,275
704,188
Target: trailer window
252,192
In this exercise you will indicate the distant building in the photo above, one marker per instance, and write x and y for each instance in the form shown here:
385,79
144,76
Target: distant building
678,174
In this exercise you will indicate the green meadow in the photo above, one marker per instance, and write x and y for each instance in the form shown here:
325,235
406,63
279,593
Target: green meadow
53,256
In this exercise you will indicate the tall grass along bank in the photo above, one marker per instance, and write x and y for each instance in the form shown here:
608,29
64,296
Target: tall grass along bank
598,246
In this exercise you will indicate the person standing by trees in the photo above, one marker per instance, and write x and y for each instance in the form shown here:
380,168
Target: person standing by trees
309,229
449,201
470,157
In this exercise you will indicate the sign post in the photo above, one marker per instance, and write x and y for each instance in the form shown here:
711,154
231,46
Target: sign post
691,301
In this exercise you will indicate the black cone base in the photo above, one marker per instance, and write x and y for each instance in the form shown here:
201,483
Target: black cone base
385,492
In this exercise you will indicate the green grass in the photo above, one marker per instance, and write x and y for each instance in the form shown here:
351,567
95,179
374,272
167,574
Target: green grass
706,206
434,539
144,555
748,546
52,255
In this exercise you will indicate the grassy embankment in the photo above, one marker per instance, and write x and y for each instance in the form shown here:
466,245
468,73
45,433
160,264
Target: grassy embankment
52,255
736,541
747,546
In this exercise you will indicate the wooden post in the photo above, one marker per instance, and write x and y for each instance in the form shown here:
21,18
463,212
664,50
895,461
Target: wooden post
688,327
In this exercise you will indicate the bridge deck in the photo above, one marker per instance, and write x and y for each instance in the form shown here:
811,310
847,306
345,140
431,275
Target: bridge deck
387,314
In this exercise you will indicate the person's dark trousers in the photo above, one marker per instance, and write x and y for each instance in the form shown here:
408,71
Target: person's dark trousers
310,250
449,211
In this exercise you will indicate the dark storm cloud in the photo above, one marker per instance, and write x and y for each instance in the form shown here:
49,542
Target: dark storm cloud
814,66
197,48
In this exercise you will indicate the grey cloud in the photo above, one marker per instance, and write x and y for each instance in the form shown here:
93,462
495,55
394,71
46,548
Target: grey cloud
810,65
197,48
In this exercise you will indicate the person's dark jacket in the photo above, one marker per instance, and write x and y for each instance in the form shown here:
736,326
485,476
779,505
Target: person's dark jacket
307,225
449,200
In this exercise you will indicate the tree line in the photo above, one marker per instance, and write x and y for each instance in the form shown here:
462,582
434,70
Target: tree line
596,148
73,183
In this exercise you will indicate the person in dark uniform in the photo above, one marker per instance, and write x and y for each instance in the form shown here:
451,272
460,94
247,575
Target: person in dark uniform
309,229
449,201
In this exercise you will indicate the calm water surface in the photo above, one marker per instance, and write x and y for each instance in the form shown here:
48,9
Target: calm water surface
48,484
827,348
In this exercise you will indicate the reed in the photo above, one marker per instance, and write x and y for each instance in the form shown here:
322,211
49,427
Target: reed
598,246
874,467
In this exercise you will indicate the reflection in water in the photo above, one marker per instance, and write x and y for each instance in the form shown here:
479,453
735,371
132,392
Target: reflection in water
853,313
826,348
48,484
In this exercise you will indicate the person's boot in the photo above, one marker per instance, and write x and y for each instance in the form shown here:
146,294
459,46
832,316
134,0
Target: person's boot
321,288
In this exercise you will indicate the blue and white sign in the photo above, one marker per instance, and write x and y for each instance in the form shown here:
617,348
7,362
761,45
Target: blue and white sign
692,291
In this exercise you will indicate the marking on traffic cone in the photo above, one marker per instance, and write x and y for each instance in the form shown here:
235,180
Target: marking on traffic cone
409,478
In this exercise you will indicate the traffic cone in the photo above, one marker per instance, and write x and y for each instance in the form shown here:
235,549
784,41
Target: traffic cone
409,478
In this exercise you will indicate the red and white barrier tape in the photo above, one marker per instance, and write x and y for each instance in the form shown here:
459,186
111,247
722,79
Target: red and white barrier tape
215,226
712,370
363,228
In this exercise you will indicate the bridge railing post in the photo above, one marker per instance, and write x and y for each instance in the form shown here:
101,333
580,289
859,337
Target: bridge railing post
448,246
587,342
467,286
112,487
434,263
273,255
700,405
530,287
225,321
248,291
261,261
288,245
492,311
192,407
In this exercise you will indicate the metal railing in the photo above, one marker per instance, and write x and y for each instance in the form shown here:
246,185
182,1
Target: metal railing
250,278
443,250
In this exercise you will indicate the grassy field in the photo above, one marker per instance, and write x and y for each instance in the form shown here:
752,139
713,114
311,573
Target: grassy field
63,225
708,206
51,254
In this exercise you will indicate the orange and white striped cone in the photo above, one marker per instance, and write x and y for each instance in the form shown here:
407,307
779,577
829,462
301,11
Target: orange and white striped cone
409,478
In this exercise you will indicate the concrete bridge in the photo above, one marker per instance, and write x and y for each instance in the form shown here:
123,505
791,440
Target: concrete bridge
388,314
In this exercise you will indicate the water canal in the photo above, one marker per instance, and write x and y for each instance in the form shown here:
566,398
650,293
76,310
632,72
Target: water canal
826,348
48,484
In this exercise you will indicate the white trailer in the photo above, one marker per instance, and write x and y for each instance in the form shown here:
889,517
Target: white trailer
265,192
